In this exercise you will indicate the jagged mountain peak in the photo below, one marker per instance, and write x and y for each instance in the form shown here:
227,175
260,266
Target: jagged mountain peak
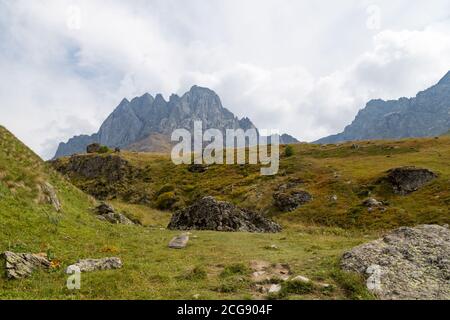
132,123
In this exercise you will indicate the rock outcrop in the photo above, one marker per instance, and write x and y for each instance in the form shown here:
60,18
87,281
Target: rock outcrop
112,168
210,214
48,195
22,265
409,179
93,148
426,115
89,265
102,176
408,263
107,213
291,200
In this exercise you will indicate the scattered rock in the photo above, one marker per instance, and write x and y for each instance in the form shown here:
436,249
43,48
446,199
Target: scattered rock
93,148
291,200
105,208
49,196
106,212
408,263
197,168
372,202
300,279
89,265
409,179
210,214
265,272
275,288
292,183
179,242
22,265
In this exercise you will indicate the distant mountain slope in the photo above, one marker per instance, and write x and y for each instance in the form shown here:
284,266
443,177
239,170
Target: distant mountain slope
133,123
426,115
288,139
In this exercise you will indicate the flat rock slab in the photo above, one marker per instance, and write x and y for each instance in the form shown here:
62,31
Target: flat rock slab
22,265
179,242
408,263
89,265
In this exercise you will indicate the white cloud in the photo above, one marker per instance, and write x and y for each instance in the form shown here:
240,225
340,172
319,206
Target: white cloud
300,66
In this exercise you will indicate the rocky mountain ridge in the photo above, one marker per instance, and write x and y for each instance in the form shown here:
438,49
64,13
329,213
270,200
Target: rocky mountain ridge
426,115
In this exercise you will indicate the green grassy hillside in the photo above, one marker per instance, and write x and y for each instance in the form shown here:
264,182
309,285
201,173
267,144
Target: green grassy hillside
214,265
350,173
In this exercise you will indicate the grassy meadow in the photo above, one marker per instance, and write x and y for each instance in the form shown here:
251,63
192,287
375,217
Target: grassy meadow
214,265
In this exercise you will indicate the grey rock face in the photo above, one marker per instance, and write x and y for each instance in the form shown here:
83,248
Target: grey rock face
22,265
179,242
133,121
209,214
408,263
89,265
426,115
409,179
289,201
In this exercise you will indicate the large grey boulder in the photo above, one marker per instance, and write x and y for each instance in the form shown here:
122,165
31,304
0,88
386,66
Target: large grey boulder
405,180
210,214
22,265
89,265
408,263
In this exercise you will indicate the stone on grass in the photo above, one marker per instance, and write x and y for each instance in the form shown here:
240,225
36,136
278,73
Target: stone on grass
179,242
372,202
408,263
22,265
89,265
300,279
274,288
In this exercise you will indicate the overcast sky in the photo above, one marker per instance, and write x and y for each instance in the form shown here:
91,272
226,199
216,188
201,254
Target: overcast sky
303,67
